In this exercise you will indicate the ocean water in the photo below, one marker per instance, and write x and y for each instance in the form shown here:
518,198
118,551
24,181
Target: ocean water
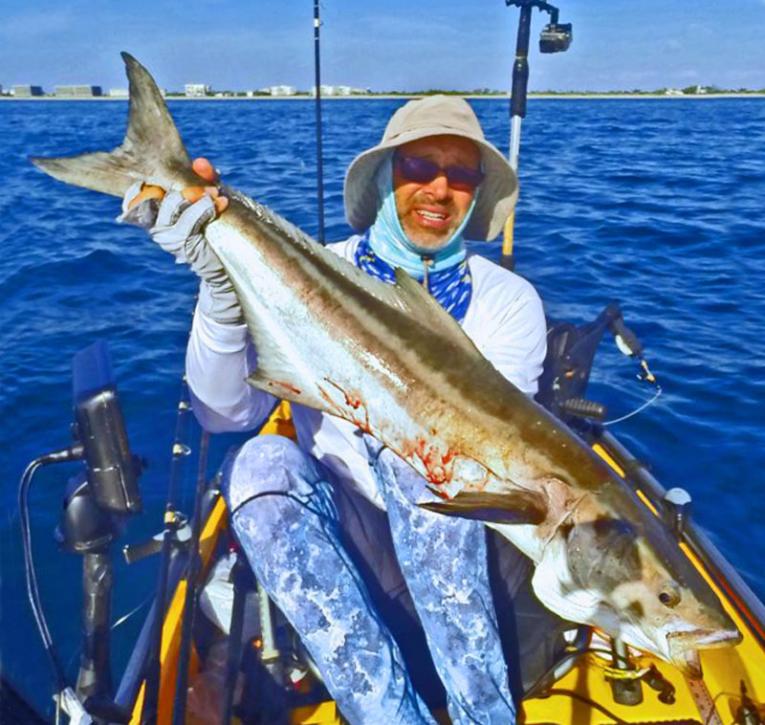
656,203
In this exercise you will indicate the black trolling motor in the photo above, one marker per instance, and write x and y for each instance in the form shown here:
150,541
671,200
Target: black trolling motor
570,353
555,38
98,500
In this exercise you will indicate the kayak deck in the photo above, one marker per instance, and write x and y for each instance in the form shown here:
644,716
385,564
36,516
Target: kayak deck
583,694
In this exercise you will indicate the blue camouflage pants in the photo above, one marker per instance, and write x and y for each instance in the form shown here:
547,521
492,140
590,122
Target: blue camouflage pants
284,515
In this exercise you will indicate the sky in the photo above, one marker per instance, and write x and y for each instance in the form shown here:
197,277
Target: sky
388,45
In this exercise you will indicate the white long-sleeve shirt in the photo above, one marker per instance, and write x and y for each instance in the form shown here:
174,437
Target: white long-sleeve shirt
505,320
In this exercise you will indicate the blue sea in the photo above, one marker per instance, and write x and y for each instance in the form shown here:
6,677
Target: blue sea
659,204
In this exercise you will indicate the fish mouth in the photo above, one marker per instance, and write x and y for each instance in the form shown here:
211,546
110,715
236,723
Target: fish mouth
684,647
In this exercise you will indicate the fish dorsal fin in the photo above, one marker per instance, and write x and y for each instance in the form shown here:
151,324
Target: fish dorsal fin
152,150
423,307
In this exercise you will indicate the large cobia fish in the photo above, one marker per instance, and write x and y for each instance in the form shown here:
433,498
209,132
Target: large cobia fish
391,361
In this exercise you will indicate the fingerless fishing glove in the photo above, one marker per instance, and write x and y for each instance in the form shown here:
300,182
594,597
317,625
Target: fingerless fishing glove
177,226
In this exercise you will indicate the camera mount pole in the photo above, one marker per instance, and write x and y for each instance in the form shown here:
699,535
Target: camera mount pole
517,114
520,83
555,38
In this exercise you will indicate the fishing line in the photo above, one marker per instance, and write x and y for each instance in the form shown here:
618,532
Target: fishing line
637,410
133,611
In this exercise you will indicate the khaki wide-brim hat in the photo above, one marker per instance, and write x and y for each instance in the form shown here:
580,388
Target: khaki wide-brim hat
434,116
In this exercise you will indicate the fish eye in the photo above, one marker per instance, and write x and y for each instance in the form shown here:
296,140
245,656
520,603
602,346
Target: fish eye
669,596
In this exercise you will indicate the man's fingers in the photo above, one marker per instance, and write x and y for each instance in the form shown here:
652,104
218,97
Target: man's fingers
204,169
193,193
147,192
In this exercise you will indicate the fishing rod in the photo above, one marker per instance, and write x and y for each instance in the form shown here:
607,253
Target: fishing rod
174,522
193,569
317,106
555,38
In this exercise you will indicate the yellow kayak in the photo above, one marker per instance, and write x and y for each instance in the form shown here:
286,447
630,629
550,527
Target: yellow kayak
587,685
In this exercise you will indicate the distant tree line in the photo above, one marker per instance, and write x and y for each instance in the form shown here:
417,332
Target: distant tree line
687,91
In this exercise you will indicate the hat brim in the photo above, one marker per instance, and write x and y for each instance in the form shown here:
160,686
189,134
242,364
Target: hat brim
495,202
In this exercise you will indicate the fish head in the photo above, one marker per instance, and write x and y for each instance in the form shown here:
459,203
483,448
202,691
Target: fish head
633,582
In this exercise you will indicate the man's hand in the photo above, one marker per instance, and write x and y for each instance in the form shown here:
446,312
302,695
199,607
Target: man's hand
176,221
202,168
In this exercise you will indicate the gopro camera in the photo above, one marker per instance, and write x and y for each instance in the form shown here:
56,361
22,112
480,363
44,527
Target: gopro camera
555,38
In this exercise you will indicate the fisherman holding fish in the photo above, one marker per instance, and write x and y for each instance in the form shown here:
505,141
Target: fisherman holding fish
439,367
309,516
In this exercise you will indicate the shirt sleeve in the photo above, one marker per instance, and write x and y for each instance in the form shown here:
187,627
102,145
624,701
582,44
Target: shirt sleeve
508,326
219,358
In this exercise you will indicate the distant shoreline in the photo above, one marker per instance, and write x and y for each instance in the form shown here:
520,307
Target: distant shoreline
405,97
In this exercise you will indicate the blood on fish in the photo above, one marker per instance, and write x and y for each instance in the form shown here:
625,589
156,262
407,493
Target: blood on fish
438,470
354,402
286,386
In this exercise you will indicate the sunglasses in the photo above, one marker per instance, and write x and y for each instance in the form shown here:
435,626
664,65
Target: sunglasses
423,171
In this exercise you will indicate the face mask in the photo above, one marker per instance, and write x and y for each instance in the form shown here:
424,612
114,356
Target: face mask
389,241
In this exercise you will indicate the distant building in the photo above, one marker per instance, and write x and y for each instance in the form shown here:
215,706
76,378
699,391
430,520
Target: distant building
338,90
25,91
119,93
282,90
197,90
673,92
78,91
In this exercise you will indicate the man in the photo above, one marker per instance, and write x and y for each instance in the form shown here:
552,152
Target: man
301,512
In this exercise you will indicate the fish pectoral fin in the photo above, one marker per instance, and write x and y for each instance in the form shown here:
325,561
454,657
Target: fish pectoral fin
514,507
281,386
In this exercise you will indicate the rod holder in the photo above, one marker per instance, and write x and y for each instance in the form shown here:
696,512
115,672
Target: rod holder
626,690
677,509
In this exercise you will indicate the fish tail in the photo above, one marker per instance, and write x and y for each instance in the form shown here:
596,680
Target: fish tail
152,150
